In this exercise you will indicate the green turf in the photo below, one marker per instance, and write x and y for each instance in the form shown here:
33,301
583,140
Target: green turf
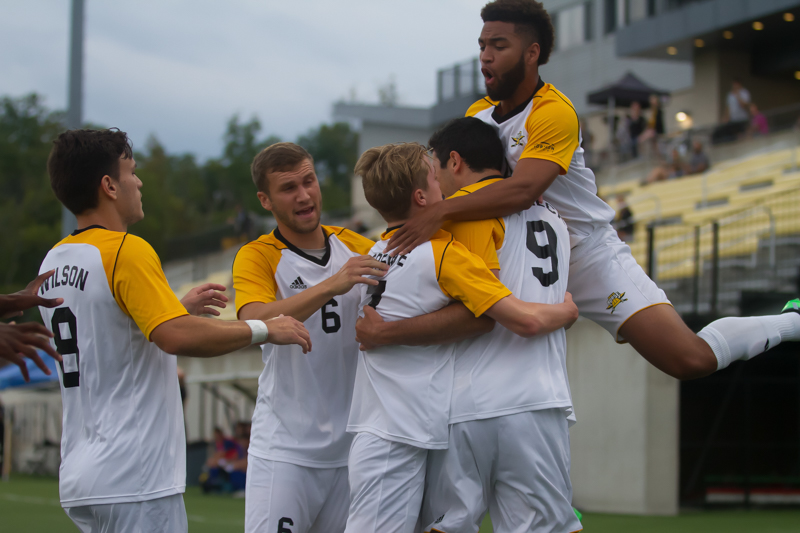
30,504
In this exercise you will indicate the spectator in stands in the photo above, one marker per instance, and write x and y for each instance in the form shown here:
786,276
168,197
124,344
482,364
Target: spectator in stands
226,468
736,110
655,124
237,468
18,341
214,477
675,168
636,127
758,122
624,221
736,118
698,161
243,224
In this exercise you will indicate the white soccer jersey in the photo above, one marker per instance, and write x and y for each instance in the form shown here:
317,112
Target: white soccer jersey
303,399
547,127
402,393
123,434
501,373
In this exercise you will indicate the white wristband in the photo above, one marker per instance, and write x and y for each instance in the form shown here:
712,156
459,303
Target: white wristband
260,331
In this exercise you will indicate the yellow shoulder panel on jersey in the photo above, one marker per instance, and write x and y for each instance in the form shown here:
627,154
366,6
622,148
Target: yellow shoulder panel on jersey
140,286
134,275
481,105
553,129
355,242
107,242
254,271
463,276
481,237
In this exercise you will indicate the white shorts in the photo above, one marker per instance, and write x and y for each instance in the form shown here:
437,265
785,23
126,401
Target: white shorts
607,284
387,480
288,498
167,515
515,466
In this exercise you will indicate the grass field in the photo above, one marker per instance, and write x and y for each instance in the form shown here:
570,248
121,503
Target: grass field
30,504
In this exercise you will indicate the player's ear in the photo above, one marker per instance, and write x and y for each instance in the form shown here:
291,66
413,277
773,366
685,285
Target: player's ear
455,161
265,201
419,198
109,187
532,54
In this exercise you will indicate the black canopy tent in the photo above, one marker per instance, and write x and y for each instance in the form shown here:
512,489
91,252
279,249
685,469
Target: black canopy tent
623,93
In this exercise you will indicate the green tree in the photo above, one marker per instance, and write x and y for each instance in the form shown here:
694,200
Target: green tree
29,212
335,151
229,176
173,196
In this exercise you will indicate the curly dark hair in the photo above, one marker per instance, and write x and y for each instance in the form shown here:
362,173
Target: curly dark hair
530,19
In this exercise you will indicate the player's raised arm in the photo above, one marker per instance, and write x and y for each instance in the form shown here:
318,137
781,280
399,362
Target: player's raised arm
464,277
448,325
15,304
301,306
530,180
528,319
205,337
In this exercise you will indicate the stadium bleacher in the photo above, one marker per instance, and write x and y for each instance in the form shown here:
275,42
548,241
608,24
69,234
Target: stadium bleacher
753,200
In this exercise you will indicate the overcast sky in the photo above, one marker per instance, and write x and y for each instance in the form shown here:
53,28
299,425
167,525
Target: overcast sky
179,69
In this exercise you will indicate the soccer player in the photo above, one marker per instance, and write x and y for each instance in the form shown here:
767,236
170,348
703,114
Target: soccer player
297,464
508,447
123,448
401,401
540,130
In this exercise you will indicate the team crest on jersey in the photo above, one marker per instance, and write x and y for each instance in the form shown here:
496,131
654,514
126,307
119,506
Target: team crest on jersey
518,139
614,299
298,284
544,147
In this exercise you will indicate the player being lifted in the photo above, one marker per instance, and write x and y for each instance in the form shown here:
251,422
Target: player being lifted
541,133
402,394
297,466
123,447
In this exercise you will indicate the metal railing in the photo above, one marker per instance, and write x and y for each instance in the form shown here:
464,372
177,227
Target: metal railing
705,268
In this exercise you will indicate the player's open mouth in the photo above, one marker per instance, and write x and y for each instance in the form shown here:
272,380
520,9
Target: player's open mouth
307,212
488,76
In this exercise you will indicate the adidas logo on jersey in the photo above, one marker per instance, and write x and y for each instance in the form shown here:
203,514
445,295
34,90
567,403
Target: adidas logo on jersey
298,284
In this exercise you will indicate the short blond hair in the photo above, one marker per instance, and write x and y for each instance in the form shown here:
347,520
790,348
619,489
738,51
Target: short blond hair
390,175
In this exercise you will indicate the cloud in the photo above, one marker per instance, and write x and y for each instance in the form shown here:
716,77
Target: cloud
180,69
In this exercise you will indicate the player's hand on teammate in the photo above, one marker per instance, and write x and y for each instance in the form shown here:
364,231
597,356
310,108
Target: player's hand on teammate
199,301
572,309
355,271
417,230
14,304
18,341
368,329
287,330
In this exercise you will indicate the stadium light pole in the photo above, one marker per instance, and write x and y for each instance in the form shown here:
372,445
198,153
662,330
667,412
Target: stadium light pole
74,94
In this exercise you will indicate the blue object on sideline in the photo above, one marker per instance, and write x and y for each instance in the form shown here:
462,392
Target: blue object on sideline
10,376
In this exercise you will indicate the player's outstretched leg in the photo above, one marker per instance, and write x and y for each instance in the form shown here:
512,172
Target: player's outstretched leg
659,334
735,338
